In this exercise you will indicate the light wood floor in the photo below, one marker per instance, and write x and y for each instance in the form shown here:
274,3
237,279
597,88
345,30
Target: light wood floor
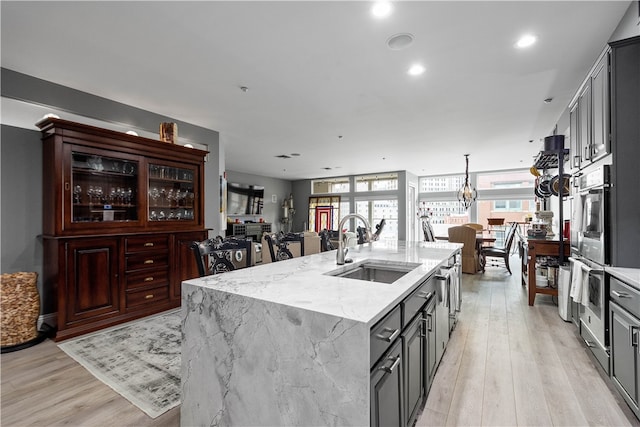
507,364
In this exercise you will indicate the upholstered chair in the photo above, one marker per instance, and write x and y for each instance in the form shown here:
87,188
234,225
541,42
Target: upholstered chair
467,236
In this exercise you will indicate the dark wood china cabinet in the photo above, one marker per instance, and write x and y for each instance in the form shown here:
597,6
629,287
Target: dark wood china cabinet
119,213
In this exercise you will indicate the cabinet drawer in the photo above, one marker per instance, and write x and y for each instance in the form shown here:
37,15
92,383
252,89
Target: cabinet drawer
384,333
147,296
146,243
147,278
416,300
625,296
150,260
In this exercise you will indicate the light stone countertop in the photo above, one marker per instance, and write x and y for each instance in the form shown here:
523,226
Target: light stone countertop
302,282
627,275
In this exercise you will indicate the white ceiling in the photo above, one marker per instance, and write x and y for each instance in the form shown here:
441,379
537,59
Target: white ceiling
320,70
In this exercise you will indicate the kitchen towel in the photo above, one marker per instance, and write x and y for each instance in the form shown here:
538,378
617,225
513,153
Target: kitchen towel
576,280
586,271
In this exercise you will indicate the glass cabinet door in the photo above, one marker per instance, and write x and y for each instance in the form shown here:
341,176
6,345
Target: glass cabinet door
171,193
103,188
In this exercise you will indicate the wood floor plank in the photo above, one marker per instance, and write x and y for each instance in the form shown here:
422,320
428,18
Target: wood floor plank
498,407
466,403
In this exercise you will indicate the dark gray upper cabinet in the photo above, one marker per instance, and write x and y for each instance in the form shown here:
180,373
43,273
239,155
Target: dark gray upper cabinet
584,122
625,147
600,110
589,123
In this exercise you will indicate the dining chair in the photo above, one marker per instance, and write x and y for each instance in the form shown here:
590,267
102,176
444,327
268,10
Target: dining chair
477,227
496,225
466,236
278,245
213,256
427,230
502,252
325,242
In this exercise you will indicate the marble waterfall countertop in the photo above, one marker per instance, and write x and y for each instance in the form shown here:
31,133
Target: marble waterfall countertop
284,343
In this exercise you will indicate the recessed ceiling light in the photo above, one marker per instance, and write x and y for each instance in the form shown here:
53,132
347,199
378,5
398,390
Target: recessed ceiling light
283,156
548,100
416,70
381,9
295,154
399,41
526,41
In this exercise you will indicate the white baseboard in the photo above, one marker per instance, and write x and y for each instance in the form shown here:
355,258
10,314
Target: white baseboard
50,319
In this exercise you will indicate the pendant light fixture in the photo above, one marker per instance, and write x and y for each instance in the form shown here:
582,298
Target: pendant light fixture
467,195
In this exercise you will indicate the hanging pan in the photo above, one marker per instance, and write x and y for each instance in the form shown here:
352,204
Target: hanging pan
555,185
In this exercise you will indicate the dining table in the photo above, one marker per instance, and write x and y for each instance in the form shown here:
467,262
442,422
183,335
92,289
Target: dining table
482,237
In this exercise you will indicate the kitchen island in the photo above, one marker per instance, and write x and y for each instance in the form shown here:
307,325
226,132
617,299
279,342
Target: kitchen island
287,344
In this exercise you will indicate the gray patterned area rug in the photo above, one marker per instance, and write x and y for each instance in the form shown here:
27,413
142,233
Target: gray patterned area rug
140,360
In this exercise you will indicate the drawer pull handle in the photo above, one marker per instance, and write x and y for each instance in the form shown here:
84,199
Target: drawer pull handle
148,261
633,336
427,322
394,334
621,294
148,279
148,296
148,245
389,369
425,295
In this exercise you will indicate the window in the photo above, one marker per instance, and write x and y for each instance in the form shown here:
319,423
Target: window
507,179
379,182
511,210
330,185
507,205
324,213
430,184
375,211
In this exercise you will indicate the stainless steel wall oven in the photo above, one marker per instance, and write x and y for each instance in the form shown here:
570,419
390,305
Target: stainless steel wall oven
590,252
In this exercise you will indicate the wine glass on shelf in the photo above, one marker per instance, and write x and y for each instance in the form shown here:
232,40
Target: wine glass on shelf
90,194
98,193
77,194
154,194
163,197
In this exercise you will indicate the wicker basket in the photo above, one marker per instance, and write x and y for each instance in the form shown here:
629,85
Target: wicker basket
20,308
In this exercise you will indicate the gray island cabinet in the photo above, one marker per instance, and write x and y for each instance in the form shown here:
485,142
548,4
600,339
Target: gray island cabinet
288,344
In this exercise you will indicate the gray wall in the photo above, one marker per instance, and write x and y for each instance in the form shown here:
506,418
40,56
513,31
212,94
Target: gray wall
21,165
272,186
21,220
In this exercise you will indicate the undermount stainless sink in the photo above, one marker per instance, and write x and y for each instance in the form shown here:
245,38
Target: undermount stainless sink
375,271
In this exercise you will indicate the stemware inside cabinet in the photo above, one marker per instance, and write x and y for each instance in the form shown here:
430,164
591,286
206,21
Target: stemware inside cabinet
141,196
172,193
104,188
